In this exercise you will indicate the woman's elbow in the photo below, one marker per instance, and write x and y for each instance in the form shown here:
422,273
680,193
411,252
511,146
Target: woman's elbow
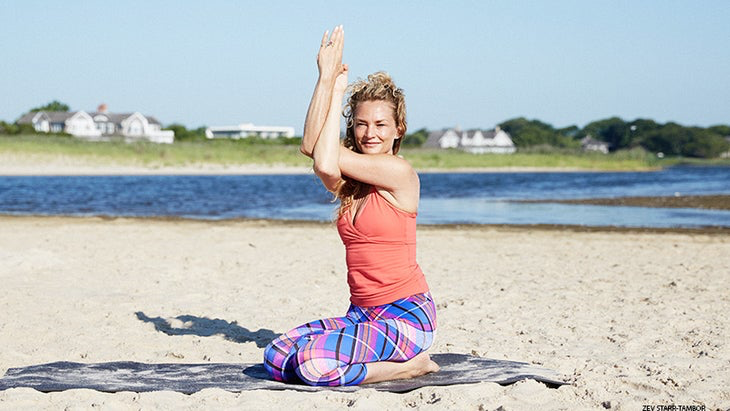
307,151
330,176
326,170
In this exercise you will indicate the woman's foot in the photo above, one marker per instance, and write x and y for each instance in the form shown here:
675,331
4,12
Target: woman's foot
419,365
422,364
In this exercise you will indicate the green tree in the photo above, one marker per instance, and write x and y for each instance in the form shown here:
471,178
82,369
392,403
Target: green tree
7,128
54,105
15,128
616,132
183,134
639,129
705,144
668,139
526,133
642,126
678,140
25,129
416,139
720,129
570,131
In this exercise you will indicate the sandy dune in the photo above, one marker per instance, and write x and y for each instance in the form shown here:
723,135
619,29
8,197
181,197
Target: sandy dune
629,318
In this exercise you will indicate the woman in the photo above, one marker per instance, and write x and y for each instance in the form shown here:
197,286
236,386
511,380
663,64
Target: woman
392,317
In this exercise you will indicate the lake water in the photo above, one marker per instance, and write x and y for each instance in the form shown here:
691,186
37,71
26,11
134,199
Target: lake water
480,198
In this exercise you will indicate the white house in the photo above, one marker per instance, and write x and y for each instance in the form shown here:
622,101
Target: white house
132,126
472,141
100,125
248,130
76,123
589,143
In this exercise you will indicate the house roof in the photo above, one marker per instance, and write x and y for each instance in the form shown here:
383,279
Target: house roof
117,118
62,116
433,138
53,116
489,133
27,118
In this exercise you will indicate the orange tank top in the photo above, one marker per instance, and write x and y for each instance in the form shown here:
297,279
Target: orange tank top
381,253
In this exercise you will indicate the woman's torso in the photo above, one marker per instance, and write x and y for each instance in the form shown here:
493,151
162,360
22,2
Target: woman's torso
380,245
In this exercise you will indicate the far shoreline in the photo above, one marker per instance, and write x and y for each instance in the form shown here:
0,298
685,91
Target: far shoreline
60,170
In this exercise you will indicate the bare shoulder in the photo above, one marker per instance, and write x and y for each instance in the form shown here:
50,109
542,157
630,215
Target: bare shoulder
404,196
390,172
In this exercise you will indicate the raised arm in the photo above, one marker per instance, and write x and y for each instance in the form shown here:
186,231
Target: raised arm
329,63
326,151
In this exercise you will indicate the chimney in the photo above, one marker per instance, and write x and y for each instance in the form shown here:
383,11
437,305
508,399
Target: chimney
101,108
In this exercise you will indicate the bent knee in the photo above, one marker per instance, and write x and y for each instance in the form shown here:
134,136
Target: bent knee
268,351
318,371
275,362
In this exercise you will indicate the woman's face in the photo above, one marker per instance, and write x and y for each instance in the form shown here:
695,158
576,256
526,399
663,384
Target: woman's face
375,127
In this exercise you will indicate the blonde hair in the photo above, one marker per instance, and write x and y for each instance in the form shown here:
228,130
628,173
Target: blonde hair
379,86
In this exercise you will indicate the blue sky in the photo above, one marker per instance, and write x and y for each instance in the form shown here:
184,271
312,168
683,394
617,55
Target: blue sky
466,63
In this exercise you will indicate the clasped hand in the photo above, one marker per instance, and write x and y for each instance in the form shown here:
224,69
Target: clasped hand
329,58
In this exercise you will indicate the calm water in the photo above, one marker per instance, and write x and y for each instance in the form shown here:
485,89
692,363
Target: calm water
482,198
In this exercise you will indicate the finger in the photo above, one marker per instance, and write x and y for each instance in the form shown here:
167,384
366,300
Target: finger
324,38
340,47
335,39
340,35
333,36
342,38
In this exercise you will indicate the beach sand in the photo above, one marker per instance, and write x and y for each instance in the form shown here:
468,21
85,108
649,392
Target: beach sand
630,318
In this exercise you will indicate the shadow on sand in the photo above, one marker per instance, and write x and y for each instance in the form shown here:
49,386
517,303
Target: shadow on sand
206,327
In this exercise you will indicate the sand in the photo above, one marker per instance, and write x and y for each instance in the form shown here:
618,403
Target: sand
630,318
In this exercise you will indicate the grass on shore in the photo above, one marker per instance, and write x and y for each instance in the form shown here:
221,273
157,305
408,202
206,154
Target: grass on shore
456,159
241,152
185,153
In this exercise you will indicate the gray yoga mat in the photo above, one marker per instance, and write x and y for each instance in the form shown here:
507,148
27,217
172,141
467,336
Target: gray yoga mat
190,378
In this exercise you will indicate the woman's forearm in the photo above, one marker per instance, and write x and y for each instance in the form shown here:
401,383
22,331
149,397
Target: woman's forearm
329,64
326,152
316,114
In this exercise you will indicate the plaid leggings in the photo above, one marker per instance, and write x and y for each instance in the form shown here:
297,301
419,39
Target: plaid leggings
334,351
